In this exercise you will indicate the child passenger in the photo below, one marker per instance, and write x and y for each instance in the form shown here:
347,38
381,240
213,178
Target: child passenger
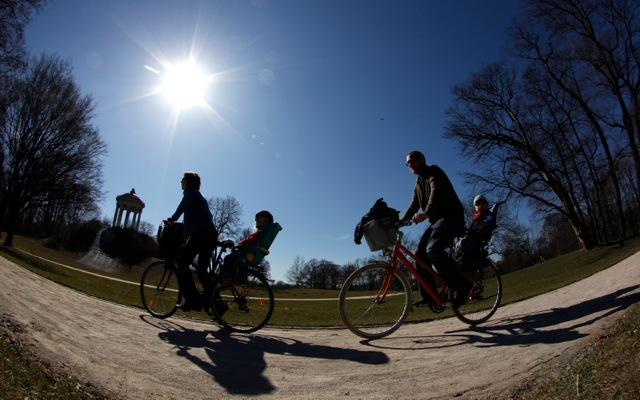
478,234
484,222
232,259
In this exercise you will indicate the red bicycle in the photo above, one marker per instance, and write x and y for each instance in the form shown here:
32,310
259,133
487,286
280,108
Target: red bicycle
376,299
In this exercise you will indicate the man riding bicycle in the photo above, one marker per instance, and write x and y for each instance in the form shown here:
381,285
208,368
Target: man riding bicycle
434,194
201,235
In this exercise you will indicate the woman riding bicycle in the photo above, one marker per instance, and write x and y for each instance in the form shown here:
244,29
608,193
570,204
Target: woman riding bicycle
201,235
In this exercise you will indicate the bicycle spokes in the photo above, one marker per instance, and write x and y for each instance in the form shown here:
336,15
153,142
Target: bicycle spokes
249,305
484,297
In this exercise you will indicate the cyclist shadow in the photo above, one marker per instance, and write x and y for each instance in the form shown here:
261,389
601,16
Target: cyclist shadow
549,327
237,362
545,327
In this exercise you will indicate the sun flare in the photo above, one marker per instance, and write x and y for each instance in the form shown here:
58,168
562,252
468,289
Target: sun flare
184,85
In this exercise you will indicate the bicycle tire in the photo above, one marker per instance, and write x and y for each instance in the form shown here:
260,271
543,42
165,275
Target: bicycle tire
159,290
245,307
360,309
485,295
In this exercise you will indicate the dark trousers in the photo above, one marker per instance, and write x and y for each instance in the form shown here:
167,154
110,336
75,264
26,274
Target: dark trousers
200,244
228,265
432,251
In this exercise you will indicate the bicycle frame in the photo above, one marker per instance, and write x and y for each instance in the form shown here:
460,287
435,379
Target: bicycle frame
380,315
402,254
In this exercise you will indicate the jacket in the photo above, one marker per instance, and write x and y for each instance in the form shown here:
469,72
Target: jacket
197,217
434,194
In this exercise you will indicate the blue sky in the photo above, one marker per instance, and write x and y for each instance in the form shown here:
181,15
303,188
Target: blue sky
309,109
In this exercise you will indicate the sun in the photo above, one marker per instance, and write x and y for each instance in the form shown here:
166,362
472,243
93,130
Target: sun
184,85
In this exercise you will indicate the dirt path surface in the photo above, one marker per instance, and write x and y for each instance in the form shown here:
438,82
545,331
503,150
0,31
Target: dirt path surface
134,356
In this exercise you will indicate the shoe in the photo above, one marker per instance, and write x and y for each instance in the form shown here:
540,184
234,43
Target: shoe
422,303
226,283
190,306
462,294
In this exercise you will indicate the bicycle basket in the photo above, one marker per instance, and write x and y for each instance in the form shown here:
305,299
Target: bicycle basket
380,234
170,237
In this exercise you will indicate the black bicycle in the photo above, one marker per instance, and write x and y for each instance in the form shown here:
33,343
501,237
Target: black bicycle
244,307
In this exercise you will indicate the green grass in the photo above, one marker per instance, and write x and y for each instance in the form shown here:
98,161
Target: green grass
607,369
523,284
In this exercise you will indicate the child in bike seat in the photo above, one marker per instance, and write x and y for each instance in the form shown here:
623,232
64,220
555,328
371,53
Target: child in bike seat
479,232
231,261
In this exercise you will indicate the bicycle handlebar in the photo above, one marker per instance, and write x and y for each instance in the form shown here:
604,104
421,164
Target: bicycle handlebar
406,222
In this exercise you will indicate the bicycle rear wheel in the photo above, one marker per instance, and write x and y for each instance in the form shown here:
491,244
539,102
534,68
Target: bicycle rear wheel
374,300
244,307
485,296
159,290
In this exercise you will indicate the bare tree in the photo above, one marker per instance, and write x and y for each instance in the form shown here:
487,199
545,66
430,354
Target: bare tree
227,213
590,49
517,248
294,274
14,17
556,237
548,130
49,150
147,228
245,232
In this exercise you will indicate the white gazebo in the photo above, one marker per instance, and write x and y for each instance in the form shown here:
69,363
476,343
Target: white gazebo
128,203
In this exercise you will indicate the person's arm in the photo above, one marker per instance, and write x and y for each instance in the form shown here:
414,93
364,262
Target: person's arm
414,206
251,239
187,197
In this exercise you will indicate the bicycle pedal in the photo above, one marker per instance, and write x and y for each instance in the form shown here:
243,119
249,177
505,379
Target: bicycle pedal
437,309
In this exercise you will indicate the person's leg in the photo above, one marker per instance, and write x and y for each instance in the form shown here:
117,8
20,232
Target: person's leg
227,271
421,254
470,251
444,231
205,242
441,237
187,284
228,264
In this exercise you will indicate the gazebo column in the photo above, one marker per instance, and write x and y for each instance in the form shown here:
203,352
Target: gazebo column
130,207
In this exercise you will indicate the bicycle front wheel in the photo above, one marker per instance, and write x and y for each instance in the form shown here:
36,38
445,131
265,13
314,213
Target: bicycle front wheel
484,297
159,290
244,307
375,300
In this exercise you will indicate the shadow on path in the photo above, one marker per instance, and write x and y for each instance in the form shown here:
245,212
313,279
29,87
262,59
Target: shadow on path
236,361
547,327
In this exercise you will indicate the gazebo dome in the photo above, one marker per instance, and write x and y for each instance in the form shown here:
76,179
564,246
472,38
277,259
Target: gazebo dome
131,198
131,203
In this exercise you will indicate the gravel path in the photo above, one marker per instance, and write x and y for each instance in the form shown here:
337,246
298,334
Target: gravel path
134,356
